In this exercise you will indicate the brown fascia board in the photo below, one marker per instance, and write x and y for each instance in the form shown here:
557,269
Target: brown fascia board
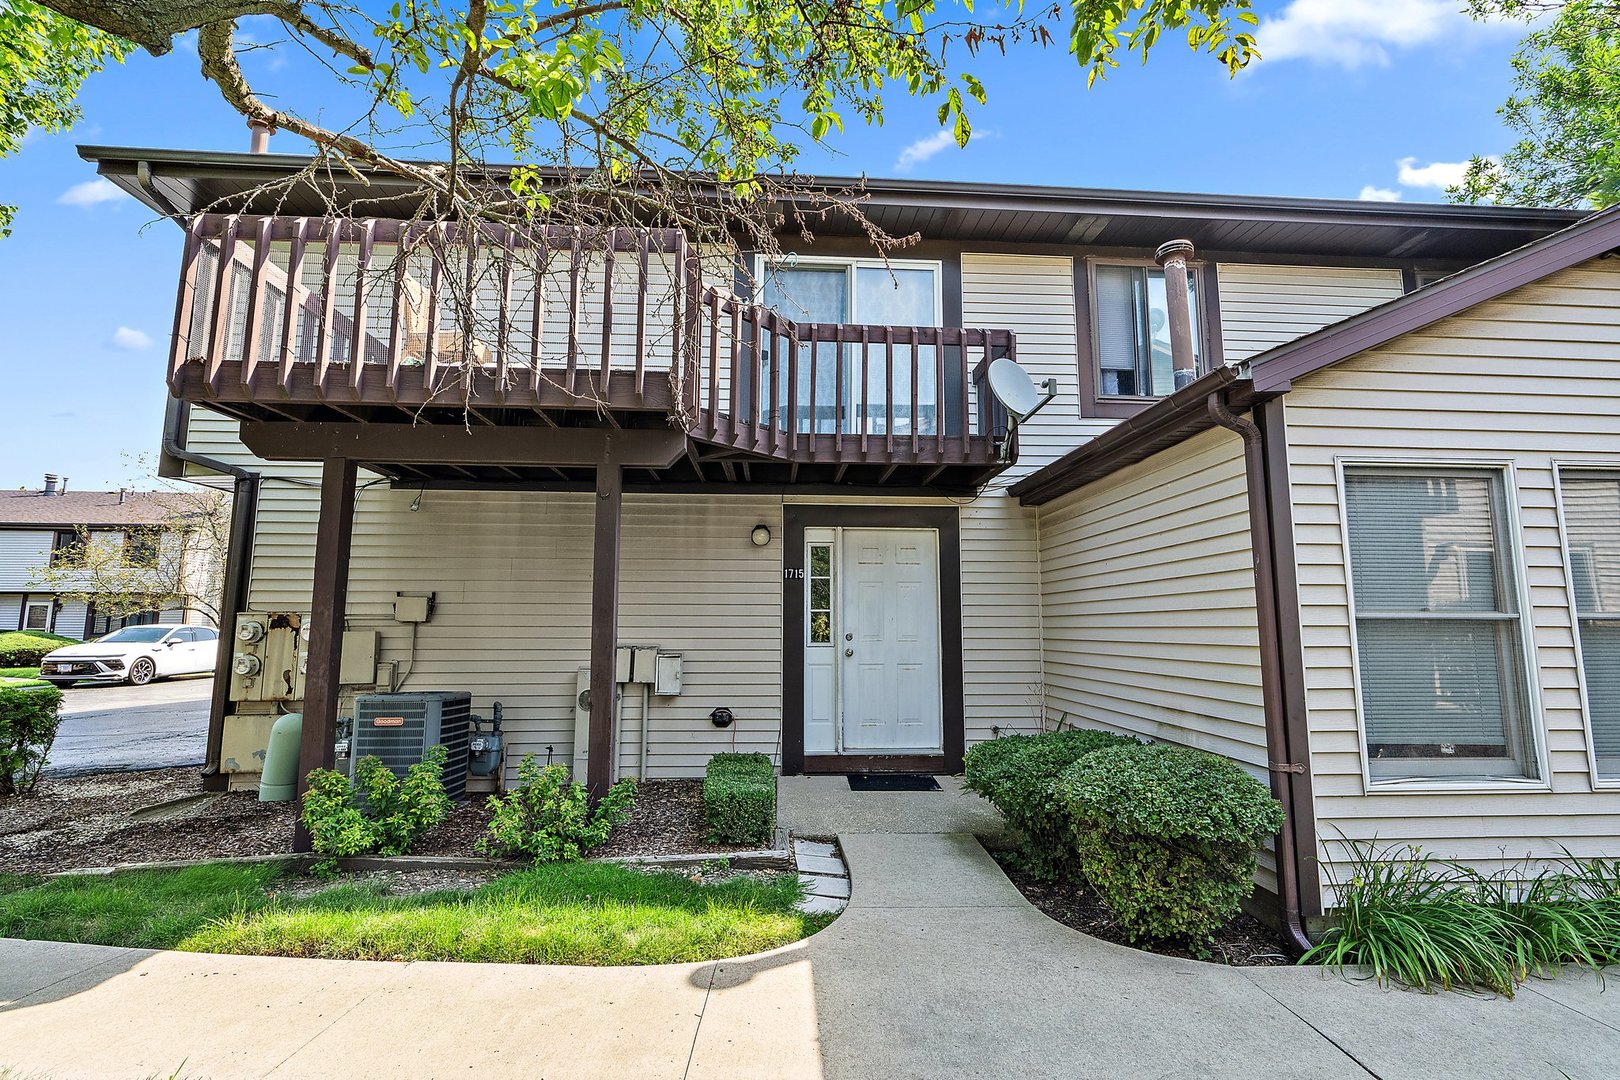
120,164
1165,423
1596,236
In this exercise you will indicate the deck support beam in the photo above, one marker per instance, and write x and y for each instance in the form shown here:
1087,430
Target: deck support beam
604,625
325,630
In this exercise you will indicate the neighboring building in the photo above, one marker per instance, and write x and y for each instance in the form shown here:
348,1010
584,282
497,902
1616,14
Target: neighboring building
809,495
47,527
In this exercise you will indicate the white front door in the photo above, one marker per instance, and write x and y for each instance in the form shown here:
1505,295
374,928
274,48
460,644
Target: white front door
882,666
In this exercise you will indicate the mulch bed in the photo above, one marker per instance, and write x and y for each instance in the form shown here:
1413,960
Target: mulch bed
667,820
82,821
1243,942
110,818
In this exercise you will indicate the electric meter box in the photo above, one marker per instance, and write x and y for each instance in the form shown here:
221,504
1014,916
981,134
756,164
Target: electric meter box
268,656
669,674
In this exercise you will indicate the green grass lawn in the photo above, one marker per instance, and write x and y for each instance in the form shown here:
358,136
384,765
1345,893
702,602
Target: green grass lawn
564,913
21,676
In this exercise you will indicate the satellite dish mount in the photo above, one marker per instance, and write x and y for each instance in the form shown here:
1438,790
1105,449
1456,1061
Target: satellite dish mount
1020,395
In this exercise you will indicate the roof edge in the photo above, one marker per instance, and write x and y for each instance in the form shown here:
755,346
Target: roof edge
1594,237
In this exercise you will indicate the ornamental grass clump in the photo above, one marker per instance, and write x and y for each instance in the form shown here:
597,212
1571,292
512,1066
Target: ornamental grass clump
1409,918
1167,836
1018,774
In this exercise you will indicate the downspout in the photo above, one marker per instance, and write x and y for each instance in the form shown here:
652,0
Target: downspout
1278,757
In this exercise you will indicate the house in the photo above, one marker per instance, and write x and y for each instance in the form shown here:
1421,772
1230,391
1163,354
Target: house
45,529
792,481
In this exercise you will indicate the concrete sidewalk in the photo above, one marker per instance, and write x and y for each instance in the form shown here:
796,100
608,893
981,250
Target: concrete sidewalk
938,968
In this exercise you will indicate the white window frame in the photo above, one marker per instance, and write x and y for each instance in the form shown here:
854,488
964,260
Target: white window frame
50,612
1559,467
850,265
1512,537
1195,275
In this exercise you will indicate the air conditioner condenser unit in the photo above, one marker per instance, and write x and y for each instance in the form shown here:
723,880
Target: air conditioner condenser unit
399,728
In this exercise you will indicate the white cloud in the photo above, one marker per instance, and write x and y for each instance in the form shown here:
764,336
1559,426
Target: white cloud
1378,194
923,149
1436,174
130,339
91,193
1358,33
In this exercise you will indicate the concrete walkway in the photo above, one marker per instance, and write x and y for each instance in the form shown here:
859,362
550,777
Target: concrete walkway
938,968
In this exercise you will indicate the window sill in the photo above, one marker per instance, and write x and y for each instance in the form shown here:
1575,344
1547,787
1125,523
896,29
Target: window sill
1429,785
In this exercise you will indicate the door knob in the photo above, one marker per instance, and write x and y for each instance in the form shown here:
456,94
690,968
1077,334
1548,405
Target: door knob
849,652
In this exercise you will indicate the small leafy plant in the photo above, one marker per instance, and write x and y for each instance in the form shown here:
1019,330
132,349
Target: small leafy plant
28,722
379,813
548,817
1167,836
1434,924
1019,775
739,799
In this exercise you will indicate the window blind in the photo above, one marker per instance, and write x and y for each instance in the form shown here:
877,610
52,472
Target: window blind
1437,626
1118,321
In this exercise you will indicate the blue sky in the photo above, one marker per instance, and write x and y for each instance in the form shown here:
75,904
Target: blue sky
1355,98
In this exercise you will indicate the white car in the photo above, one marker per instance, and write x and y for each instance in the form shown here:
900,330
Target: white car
135,654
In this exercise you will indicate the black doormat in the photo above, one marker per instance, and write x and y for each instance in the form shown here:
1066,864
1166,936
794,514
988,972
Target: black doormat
891,782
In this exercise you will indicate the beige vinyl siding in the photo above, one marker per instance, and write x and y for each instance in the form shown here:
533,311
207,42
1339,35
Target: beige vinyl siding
1033,296
1263,306
1528,380
1149,605
23,552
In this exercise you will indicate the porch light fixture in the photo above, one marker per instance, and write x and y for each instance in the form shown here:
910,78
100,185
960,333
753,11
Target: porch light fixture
761,535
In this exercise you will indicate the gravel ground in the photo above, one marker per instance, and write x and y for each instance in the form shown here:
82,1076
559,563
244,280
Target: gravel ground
1243,942
109,818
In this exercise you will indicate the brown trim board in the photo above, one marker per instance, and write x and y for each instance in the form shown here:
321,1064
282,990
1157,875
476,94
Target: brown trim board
946,520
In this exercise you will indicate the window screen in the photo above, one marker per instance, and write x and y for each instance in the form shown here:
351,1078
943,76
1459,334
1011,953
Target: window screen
1592,531
1441,656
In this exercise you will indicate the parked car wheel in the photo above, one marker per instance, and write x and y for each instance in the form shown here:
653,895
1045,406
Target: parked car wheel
142,671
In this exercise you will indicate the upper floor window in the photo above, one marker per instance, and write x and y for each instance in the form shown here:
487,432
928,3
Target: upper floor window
141,548
1592,533
1439,634
1132,324
851,388
67,547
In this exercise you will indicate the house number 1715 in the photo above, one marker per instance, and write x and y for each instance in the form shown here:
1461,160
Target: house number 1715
793,572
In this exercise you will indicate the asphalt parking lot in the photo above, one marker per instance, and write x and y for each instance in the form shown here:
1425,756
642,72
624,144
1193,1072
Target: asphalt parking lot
112,728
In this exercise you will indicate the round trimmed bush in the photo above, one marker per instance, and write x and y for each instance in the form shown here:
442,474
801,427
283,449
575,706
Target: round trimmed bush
1167,836
1019,775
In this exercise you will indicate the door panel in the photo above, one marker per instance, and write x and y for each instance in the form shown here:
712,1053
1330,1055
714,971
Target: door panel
891,642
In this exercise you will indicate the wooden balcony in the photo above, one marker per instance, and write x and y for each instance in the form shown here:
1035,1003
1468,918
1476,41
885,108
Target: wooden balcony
336,329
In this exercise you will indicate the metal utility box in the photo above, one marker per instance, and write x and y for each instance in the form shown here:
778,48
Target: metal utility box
399,728
411,609
268,656
358,666
669,675
643,664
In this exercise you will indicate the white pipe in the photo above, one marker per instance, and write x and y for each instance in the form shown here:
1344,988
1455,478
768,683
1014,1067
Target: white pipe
646,707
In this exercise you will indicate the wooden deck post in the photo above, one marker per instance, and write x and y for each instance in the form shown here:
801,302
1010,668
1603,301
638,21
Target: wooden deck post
604,625
325,629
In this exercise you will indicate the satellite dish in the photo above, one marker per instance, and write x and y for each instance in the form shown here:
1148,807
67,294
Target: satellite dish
1018,394
1017,391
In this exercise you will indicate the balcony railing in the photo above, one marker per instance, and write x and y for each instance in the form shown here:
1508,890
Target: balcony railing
302,317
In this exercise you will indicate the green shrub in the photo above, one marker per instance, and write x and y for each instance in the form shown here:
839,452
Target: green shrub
1432,923
739,799
28,722
1167,836
26,648
378,813
1019,774
548,817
